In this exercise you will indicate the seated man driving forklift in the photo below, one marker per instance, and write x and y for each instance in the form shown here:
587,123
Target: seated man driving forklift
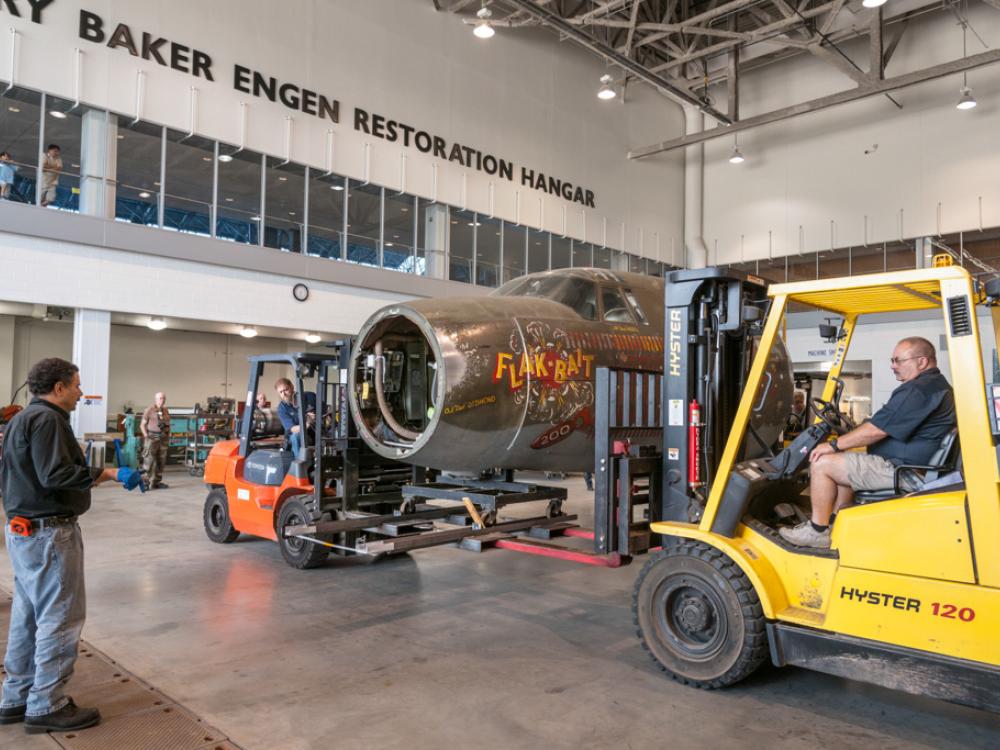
907,430
288,413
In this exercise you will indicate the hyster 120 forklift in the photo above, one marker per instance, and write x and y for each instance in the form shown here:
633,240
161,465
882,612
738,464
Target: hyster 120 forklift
908,595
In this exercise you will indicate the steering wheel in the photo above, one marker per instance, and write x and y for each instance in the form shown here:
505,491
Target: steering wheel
831,416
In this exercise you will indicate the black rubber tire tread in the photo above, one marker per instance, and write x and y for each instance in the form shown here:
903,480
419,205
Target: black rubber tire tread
224,533
310,555
754,649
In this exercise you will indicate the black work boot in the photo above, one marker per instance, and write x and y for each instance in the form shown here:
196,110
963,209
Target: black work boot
11,715
69,718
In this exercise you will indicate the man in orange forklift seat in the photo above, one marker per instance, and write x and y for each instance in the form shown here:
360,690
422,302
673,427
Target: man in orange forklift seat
907,430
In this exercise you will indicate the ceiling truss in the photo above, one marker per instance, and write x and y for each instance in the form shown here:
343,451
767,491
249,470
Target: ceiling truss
687,49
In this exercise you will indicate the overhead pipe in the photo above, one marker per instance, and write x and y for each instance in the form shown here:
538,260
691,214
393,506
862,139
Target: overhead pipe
696,251
13,59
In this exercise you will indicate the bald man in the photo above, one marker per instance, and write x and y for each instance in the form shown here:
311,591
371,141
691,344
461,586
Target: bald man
155,426
907,430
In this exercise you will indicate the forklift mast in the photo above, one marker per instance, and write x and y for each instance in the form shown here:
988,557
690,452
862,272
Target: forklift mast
711,317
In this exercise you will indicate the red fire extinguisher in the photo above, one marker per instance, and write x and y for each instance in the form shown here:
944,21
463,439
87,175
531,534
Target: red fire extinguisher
694,444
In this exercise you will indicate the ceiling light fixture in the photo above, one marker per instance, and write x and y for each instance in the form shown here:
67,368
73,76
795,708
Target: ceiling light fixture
336,187
313,338
873,3
13,109
156,324
248,332
484,28
606,92
967,100
225,158
206,158
57,114
736,157
144,194
254,218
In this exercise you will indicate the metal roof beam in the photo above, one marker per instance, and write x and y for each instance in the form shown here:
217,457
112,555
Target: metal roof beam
861,92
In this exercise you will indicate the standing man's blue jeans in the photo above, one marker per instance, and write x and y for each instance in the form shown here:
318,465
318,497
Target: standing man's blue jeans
46,617
295,441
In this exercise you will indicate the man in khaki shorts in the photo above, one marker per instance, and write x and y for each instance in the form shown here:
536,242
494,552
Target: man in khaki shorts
155,427
907,430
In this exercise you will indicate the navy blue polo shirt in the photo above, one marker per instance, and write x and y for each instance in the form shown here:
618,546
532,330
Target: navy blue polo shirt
916,418
289,413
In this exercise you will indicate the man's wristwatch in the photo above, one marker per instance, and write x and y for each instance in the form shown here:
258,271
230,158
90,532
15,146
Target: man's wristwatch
833,444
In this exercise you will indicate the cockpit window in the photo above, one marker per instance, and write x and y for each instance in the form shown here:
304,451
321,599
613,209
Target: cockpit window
636,307
615,309
578,294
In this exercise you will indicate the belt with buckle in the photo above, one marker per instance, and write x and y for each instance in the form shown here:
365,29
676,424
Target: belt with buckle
50,521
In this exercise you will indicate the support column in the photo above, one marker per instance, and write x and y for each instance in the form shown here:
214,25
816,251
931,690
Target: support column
92,354
6,359
98,163
695,250
923,252
436,241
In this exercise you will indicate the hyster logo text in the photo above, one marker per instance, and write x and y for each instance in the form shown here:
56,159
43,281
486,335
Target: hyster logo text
879,599
675,343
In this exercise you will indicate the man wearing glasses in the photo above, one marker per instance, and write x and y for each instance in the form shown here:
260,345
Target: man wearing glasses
907,430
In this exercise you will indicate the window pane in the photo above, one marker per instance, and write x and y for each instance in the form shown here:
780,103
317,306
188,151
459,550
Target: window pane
61,167
188,192
772,269
835,263
399,213
19,114
538,251
561,252
514,238
602,257
802,267
283,205
654,268
867,260
326,214
364,219
461,239
636,264
488,252
137,171
583,254
238,212
432,230
614,308
900,257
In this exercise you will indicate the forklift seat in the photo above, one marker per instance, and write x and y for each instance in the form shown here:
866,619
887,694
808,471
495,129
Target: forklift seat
945,460
266,466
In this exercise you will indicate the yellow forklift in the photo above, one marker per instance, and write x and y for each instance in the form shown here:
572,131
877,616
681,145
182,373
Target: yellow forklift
908,595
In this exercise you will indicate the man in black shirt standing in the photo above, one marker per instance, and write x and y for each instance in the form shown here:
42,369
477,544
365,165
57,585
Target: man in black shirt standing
46,486
907,430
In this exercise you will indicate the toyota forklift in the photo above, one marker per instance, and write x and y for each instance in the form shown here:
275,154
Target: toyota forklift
258,486
908,594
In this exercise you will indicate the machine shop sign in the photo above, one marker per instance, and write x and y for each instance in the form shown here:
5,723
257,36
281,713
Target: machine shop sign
141,43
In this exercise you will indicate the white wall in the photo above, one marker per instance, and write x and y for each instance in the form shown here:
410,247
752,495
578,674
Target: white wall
106,279
812,170
874,342
188,366
522,96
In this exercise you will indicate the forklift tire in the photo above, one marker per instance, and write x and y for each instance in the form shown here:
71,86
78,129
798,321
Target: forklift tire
218,525
299,553
699,616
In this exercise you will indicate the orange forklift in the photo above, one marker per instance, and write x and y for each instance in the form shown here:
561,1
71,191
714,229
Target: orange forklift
258,486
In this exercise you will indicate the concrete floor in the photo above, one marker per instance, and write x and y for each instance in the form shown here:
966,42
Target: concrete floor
442,647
